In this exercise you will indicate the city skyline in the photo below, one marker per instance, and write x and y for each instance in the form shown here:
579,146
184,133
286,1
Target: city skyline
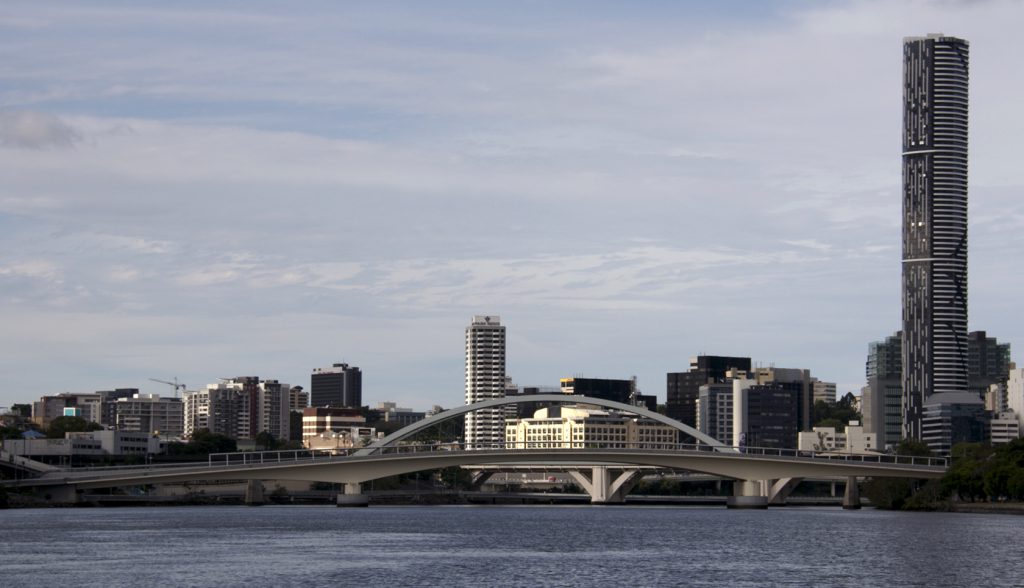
198,191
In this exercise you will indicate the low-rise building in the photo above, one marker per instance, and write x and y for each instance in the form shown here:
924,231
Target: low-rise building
1004,427
576,427
390,412
341,439
853,440
317,420
88,444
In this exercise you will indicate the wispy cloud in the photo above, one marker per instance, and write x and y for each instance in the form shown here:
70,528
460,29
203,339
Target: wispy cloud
626,187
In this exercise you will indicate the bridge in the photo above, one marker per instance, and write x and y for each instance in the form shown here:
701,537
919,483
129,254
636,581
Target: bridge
606,470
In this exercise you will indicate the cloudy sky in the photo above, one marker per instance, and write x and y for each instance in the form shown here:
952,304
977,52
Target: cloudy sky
207,190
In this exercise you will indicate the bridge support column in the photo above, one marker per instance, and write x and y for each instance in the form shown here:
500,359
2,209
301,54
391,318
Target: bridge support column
747,494
779,490
353,496
603,488
851,497
480,477
254,493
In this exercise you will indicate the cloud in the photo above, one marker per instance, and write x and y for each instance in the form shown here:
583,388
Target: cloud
26,129
358,181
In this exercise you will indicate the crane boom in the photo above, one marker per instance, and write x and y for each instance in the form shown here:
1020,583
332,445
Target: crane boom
174,384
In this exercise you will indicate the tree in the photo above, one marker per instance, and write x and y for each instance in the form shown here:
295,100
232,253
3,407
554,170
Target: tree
70,424
265,440
204,442
837,416
895,493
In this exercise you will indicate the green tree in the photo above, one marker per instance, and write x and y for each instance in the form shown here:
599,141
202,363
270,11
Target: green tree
204,442
895,493
265,440
70,424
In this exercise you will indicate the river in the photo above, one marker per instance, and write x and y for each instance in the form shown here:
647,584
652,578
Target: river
505,546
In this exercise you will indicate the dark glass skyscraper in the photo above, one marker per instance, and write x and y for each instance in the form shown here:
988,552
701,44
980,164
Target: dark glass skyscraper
935,74
339,386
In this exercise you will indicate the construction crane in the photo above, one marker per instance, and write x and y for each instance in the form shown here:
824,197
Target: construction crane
175,383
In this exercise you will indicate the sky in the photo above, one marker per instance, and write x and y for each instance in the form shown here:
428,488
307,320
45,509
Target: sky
203,190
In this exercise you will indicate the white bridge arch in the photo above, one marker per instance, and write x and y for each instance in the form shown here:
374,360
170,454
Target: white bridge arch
440,417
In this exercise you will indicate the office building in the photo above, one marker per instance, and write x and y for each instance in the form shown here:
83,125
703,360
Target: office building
934,290
390,412
1015,394
988,362
714,411
683,388
605,389
882,398
340,386
853,440
567,427
485,380
317,420
951,418
1004,428
823,391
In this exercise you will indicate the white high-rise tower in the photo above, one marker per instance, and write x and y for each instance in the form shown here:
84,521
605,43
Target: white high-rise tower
485,379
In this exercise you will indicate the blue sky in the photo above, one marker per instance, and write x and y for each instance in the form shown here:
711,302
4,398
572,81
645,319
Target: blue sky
208,190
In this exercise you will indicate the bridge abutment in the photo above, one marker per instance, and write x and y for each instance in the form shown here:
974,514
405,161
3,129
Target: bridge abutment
353,496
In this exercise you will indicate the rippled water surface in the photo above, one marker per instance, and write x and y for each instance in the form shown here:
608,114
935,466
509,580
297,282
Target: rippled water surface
506,546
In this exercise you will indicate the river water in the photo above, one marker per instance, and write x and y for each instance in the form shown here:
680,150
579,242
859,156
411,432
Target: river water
506,546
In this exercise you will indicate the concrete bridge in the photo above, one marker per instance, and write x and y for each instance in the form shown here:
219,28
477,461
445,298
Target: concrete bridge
607,471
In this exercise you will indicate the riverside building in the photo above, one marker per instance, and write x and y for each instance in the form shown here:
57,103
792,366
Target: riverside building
569,427
485,380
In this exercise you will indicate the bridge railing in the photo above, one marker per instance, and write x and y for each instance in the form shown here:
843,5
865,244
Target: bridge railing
271,457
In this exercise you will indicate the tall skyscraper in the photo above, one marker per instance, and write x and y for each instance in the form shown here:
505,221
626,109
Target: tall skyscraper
340,386
935,74
485,379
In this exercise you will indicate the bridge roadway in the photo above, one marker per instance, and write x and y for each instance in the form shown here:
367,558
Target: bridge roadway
750,465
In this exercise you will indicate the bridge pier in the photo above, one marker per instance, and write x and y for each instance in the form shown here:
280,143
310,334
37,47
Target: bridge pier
779,490
851,496
603,488
480,477
353,496
747,494
254,493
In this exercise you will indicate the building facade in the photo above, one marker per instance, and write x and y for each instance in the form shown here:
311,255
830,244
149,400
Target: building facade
149,413
683,388
603,388
951,418
485,380
934,301
568,427
714,411
340,386
988,362
882,398
853,440
240,408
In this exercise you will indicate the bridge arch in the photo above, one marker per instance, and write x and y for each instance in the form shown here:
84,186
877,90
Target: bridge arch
426,423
